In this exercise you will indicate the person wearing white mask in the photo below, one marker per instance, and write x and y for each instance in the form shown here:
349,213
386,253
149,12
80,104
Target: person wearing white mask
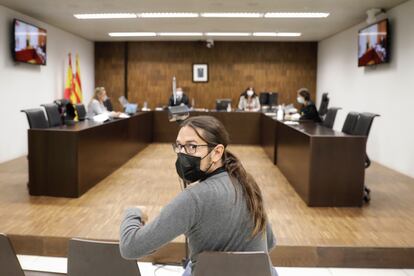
249,101
181,98
308,109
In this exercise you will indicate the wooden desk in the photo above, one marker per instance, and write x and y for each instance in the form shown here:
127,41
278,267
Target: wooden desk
243,127
268,137
325,167
67,161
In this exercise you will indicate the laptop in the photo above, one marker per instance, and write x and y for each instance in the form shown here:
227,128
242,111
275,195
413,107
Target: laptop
131,108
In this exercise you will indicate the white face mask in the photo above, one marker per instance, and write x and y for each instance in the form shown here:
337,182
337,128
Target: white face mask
179,94
250,93
301,100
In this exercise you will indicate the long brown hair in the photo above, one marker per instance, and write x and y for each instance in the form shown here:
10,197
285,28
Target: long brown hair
213,132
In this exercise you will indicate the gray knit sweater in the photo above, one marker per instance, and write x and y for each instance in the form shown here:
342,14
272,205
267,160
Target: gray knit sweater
209,213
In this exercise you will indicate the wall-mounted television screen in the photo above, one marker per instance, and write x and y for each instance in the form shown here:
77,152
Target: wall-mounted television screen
29,43
373,47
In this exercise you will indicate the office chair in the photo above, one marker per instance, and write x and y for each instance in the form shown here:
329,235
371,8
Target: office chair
98,258
221,104
323,108
233,264
80,111
363,127
330,117
350,122
9,264
53,115
264,98
36,118
273,98
108,104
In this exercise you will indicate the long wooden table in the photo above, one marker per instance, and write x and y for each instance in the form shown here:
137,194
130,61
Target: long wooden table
66,161
243,127
325,167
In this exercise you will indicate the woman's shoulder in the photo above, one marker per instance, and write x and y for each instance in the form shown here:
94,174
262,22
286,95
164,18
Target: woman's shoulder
94,102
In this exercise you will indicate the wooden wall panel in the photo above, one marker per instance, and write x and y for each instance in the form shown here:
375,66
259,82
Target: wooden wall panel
281,67
110,69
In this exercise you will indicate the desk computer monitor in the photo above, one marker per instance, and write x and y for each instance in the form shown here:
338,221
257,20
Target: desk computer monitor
221,104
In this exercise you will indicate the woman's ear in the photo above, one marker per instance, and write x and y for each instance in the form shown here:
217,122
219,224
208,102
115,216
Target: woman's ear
218,152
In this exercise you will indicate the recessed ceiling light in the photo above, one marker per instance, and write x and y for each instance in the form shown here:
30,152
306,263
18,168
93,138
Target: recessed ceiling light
167,15
275,34
104,15
289,34
180,34
121,34
232,14
264,34
296,14
227,34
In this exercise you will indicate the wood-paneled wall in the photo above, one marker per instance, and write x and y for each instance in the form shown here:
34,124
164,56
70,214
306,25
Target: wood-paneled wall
110,69
282,67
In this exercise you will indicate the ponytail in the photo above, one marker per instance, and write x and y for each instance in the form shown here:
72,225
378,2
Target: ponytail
251,190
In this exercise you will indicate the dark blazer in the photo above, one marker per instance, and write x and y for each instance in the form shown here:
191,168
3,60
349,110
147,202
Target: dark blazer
184,99
309,112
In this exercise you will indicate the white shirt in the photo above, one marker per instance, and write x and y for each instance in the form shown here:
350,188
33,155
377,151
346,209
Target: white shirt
95,107
251,104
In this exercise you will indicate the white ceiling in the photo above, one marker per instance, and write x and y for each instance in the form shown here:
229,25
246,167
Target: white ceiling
343,14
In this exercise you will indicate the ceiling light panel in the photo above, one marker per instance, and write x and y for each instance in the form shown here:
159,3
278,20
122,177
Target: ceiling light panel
296,14
232,14
167,15
105,15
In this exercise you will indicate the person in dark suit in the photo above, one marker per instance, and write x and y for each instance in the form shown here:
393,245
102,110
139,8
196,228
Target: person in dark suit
308,110
181,99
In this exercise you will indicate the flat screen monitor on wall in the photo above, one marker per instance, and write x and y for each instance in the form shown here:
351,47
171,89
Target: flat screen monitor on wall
373,44
29,43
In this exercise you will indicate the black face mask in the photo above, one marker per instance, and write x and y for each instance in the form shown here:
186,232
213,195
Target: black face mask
188,167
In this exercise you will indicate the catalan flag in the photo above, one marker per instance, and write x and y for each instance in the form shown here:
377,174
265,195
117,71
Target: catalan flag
77,80
71,92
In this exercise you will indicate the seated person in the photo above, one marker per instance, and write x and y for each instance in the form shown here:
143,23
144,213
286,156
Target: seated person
96,105
221,209
181,99
249,101
308,110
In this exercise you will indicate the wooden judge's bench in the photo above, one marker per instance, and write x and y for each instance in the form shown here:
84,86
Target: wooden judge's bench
325,167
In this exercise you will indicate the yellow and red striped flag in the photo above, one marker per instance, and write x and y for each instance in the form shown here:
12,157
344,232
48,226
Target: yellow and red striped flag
71,83
77,80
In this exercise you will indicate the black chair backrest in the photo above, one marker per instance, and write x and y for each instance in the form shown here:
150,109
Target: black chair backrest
323,108
233,264
97,258
221,104
350,122
264,98
9,264
53,115
273,98
81,111
330,117
364,123
108,104
36,118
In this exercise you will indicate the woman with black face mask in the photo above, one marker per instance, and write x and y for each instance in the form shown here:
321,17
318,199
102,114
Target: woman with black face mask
308,110
221,210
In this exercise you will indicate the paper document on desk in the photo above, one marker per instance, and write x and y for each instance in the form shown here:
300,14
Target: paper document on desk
123,115
291,123
100,118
